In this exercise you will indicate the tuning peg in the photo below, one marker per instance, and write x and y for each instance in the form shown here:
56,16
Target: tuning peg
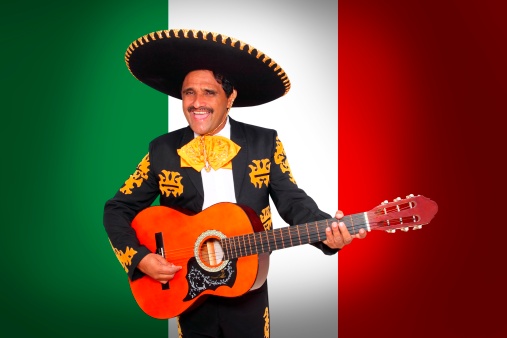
385,202
410,196
391,231
397,199
405,229
417,227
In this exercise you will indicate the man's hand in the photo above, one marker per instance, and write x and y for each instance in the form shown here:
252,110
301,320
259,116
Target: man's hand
158,268
337,236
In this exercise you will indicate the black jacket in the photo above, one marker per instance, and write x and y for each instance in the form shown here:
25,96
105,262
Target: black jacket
260,170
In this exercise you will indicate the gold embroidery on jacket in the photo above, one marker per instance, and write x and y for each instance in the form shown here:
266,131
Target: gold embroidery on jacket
125,258
266,323
281,160
265,217
137,178
170,183
180,333
259,173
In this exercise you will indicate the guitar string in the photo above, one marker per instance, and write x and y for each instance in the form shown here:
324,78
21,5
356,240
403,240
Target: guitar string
259,234
283,242
269,243
247,250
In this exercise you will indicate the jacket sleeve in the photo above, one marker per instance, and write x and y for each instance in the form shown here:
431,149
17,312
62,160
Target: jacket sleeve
137,193
292,203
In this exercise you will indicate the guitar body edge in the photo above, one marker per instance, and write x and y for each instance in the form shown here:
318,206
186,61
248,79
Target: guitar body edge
191,285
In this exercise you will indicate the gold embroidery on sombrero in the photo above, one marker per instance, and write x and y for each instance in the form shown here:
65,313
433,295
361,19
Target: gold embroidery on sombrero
259,172
125,258
266,323
175,33
137,178
169,183
281,160
265,217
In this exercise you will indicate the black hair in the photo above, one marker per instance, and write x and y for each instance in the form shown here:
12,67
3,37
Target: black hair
227,85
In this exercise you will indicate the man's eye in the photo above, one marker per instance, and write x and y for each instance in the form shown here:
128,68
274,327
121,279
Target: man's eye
188,92
210,92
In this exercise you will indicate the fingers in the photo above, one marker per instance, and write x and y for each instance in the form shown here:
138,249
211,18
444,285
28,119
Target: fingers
158,268
361,234
168,273
337,236
339,214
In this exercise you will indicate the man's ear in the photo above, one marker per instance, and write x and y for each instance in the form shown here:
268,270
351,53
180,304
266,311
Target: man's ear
231,99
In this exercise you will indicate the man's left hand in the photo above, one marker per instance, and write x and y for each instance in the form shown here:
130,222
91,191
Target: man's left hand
337,236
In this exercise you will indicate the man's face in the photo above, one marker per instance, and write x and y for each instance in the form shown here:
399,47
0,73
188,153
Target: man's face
204,102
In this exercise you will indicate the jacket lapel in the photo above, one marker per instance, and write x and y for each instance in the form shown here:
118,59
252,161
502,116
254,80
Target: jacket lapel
239,162
190,172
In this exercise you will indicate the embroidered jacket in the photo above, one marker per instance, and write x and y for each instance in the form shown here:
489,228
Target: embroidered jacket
260,170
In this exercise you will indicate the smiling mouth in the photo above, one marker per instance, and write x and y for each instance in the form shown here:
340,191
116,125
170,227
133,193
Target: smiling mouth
200,113
200,110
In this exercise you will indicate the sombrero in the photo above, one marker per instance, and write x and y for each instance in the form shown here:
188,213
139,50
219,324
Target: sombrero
162,59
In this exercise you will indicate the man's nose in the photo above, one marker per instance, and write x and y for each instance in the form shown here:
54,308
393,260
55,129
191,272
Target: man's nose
198,101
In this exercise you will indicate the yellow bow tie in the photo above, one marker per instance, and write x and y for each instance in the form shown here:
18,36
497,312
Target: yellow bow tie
208,152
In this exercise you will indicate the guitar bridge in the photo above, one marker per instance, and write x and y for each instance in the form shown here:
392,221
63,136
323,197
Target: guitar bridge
159,240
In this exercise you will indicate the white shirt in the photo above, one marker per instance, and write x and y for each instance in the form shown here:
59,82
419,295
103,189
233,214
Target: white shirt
218,184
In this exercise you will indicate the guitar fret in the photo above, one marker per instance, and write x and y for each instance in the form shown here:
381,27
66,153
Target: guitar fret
235,248
244,245
353,225
260,241
238,244
255,244
250,245
223,243
280,238
327,226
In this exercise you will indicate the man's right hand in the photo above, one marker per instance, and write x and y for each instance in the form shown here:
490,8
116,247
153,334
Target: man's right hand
158,268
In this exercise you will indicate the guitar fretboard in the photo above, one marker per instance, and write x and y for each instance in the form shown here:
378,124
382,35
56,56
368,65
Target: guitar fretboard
286,237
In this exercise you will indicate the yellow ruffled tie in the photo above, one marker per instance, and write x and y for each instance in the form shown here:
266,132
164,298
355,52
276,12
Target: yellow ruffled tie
208,152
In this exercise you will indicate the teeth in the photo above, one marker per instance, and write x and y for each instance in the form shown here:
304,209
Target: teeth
200,112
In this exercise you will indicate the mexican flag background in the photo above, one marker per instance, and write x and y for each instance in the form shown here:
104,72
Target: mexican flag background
421,92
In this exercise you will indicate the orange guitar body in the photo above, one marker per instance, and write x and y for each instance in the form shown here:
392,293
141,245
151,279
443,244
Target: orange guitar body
224,250
191,241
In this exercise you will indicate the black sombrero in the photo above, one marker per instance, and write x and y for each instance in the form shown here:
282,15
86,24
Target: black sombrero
162,59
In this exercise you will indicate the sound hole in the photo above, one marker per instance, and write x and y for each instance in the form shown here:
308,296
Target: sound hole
208,251
211,252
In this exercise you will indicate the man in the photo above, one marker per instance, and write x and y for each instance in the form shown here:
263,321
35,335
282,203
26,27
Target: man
215,159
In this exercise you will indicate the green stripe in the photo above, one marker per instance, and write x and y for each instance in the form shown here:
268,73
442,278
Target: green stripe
75,124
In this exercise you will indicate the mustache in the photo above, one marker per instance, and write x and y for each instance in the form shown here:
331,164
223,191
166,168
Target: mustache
206,109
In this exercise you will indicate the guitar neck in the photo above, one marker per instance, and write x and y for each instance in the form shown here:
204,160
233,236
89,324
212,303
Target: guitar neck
286,237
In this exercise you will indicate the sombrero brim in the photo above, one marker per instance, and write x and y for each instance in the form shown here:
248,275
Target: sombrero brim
162,59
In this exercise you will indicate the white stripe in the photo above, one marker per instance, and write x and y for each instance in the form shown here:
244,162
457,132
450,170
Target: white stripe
303,38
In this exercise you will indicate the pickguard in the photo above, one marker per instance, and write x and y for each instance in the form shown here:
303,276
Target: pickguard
200,280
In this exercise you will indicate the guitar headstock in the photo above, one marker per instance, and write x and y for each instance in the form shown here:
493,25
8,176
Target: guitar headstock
410,212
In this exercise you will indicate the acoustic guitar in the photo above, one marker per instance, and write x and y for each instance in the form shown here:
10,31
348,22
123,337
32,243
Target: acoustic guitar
224,250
